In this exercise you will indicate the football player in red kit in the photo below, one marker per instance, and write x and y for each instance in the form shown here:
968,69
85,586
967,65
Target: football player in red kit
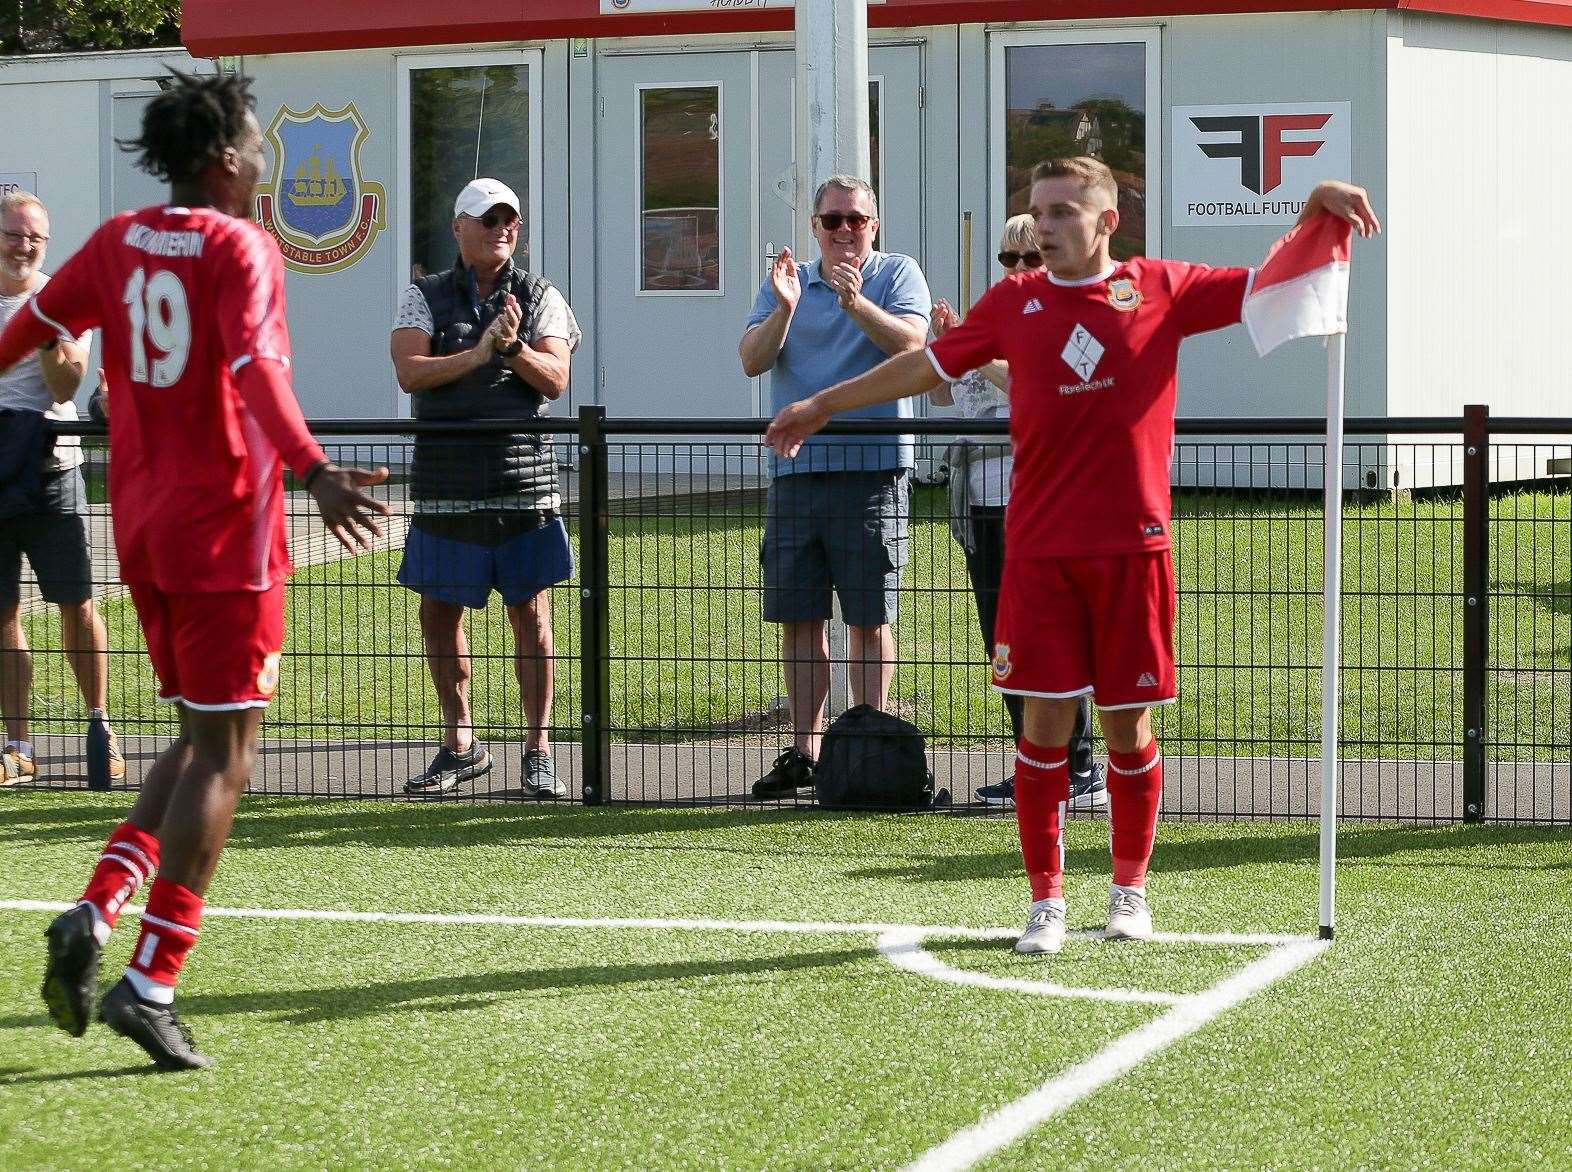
190,300
1087,602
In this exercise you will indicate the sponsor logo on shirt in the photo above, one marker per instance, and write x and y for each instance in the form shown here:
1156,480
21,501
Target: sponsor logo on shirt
1151,529
1147,680
1032,306
1123,295
1001,661
1081,354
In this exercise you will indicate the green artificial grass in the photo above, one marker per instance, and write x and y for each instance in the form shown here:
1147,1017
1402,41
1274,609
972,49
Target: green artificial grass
691,656
1431,1034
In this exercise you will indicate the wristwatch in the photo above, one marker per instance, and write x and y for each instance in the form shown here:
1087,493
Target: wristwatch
512,351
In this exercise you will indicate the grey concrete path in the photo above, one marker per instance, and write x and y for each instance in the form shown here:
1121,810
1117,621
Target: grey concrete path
719,773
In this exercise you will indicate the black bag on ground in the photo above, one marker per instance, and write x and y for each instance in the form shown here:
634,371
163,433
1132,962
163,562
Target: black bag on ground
871,760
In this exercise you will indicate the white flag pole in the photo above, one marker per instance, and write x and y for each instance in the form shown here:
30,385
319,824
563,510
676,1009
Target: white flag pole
1332,481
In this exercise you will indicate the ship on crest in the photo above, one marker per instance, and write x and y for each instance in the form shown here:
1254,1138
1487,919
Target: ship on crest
314,187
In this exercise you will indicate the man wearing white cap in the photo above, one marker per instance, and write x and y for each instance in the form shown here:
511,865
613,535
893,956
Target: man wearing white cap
485,340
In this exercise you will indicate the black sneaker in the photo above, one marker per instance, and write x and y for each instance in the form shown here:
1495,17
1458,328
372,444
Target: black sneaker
71,974
1001,794
791,772
540,776
1088,791
156,1028
448,769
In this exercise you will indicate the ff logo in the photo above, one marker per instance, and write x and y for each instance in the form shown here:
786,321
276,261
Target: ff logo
1259,145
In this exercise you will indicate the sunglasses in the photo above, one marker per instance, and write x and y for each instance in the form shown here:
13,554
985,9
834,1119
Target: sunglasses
494,219
1034,260
832,221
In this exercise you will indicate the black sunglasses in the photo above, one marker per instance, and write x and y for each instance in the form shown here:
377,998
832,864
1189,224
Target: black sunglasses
494,219
832,221
1034,260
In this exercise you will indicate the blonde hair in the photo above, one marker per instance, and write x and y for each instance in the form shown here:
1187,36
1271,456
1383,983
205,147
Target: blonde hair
1020,233
15,201
1093,174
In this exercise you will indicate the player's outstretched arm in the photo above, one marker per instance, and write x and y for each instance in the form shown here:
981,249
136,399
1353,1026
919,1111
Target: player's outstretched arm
350,515
906,374
1346,202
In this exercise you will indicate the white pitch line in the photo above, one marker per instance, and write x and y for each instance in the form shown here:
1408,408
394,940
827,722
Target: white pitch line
904,950
801,927
1012,1121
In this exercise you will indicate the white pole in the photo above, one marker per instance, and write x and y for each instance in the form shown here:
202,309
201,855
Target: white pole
832,139
1332,558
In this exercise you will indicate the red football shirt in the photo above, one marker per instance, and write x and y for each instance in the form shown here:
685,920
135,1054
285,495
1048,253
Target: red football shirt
185,299
1092,391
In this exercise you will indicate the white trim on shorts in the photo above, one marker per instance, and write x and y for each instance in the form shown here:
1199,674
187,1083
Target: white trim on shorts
233,706
1075,695
1138,704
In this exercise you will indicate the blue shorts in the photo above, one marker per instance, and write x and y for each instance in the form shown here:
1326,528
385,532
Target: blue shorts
841,531
461,558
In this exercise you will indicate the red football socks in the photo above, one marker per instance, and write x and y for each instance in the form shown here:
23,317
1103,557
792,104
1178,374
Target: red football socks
130,857
1135,787
169,929
1042,791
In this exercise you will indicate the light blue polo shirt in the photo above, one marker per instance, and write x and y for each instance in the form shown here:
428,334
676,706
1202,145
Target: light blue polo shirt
824,346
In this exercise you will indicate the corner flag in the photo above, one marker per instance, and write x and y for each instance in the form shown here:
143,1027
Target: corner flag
1301,290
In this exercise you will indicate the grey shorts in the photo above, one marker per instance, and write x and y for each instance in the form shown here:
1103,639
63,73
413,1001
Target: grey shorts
55,543
841,531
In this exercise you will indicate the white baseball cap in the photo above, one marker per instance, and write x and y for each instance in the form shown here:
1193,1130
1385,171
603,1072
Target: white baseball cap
481,195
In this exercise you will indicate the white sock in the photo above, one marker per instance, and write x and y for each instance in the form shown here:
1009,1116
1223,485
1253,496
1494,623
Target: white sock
1118,887
1038,905
98,714
100,925
150,990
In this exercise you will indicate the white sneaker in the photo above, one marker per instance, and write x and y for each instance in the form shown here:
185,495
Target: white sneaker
1128,916
1044,928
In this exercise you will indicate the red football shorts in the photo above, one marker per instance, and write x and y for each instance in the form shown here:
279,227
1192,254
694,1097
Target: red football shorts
213,652
1104,625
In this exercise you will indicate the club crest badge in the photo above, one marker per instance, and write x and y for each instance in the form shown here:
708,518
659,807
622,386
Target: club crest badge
1001,661
267,678
317,205
1123,295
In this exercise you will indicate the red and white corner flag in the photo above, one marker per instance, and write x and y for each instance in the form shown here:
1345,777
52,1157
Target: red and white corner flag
1301,289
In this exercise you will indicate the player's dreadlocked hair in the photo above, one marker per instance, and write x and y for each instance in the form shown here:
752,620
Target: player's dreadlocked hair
189,124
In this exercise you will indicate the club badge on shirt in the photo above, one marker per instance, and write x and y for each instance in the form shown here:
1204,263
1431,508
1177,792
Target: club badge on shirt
1123,295
1001,661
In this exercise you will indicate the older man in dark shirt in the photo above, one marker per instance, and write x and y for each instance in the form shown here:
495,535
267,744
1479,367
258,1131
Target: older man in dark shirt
485,340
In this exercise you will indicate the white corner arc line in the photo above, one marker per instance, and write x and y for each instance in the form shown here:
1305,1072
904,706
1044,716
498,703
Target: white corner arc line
904,949
1008,1124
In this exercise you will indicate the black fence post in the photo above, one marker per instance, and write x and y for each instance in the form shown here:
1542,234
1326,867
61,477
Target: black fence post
1476,599
594,604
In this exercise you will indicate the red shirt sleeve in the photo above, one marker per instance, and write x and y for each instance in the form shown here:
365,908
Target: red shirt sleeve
265,390
64,308
254,336
250,298
1205,298
972,343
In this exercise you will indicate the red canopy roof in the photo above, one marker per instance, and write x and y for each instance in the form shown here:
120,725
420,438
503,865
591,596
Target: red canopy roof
214,28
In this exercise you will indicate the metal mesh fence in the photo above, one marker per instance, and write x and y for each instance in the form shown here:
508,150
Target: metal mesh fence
670,669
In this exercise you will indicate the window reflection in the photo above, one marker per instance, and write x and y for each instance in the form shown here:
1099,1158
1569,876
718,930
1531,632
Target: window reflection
464,122
1079,100
679,197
